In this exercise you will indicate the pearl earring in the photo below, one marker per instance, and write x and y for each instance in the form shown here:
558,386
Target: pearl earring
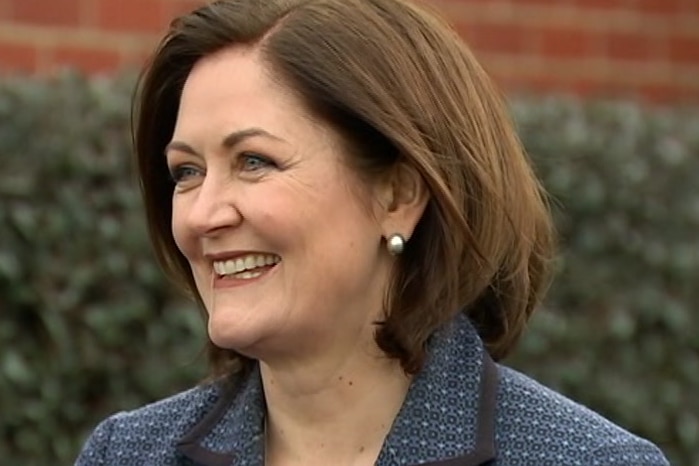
395,244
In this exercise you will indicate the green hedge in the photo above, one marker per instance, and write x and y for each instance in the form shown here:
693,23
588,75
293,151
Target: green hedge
89,326
623,334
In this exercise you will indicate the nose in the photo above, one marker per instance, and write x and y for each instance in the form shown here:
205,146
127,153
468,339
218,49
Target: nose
213,207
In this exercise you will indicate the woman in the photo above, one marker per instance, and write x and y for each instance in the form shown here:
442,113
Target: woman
338,184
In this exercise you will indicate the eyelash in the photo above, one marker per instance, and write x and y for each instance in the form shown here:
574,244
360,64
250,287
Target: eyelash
180,173
245,157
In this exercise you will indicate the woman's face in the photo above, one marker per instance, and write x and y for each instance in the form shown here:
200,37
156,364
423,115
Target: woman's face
283,240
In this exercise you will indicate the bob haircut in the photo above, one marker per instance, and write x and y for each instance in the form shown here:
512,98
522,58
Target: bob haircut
400,87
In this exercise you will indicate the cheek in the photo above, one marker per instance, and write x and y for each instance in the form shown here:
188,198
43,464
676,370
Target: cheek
285,214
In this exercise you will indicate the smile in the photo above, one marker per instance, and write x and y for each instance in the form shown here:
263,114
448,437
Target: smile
246,267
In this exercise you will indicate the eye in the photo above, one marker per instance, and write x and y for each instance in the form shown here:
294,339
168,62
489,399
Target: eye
250,161
181,173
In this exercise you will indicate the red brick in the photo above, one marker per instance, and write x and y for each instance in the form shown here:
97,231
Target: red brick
137,60
691,7
603,89
5,10
88,13
539,83
656,93
175,8
600,4
551,3
131,15
566,43
547,82
684,49
443,5
86,60
653,7
610,34
495,37
586,88
661,93
47,13
629,46
659,7
18,58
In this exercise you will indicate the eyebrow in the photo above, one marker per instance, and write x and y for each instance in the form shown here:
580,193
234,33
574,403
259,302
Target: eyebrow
230,141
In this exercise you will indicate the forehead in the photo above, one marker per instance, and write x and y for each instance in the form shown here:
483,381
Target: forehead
233,80
232,67
235,88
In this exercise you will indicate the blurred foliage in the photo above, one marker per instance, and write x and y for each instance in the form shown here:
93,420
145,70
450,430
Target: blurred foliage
88,323
89,326
620,332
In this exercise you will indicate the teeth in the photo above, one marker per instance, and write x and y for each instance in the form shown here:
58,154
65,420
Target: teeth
247,275
238,263
245,264
250,262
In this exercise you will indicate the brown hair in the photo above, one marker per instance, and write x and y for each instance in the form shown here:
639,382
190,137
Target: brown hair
401,87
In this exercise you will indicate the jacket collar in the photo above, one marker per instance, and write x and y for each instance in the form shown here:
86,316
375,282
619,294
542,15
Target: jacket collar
232,433
447,418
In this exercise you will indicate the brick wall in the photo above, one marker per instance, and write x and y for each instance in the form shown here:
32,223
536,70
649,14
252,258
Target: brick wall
623,48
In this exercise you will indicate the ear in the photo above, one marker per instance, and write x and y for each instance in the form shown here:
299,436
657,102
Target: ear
402,198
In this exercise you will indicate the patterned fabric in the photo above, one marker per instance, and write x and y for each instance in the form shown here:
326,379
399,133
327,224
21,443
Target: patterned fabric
538,426
461,407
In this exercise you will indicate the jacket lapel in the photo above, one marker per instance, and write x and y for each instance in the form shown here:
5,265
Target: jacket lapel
447,419
232,433
484,451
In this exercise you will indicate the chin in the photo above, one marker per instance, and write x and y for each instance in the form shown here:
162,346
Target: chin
250,339
233,336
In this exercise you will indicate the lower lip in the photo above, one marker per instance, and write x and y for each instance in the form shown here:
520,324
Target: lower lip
231,282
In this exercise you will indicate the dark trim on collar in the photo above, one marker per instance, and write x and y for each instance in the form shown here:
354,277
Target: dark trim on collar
190,445
203,456
484,452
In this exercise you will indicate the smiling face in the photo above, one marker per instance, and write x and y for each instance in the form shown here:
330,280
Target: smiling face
283,240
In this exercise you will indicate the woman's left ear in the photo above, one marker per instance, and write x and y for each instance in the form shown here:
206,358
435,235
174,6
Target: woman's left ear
403,199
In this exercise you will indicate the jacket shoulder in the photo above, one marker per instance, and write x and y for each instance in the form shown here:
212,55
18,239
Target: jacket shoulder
127,437
534,424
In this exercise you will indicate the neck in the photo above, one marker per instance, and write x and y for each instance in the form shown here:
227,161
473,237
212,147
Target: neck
336,411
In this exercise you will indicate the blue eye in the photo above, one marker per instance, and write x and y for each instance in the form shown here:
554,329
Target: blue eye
183,172
252,162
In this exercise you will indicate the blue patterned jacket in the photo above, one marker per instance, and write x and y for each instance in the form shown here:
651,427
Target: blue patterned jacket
461,410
